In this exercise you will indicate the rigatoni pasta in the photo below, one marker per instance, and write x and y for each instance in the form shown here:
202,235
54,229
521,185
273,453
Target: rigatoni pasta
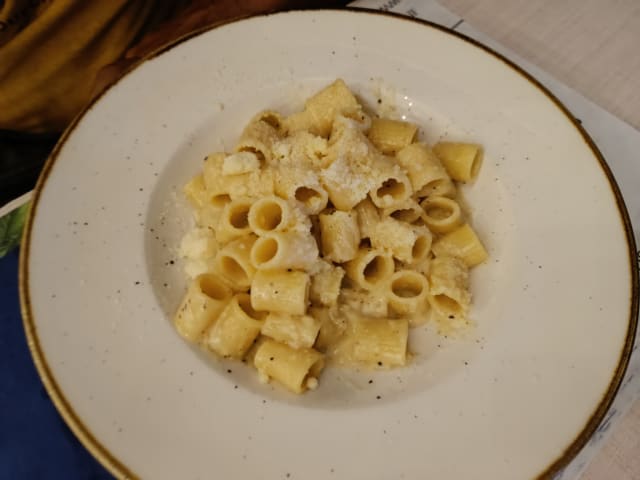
296,369
303,185
370,269
280,291
258,138
326,236
461,160
340,236
373,342
463,243
390,136
233,263
233,221
326,282
408,211
297,331
235,329
269,214
449,281
407,292
441,214
202,304
284,250
392,186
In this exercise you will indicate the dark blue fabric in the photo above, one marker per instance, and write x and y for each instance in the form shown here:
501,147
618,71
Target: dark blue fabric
35,443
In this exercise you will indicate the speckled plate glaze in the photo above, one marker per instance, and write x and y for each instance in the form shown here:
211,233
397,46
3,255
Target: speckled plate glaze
516,398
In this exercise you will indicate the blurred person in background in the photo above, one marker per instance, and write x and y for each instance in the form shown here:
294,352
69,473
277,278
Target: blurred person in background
55,55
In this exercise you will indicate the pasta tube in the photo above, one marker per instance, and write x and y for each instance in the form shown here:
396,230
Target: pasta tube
461,160
283,250
408,243
332,327
297,331
295,369
280,291
392,186
321,109
203,302
236,328
449,282
366,303
340,235
303,185
233,262
389,136
462,243
441,214
409,211
422,166
374,342
258,138
269,214
234,222
325,284
370,269
368,217
407,292
350,174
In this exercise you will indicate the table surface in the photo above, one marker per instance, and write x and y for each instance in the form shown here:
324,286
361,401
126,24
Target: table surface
592,46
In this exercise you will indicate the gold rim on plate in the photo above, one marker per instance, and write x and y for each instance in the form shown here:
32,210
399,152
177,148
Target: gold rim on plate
116,467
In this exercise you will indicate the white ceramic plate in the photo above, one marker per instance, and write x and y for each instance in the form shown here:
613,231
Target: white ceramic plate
555,306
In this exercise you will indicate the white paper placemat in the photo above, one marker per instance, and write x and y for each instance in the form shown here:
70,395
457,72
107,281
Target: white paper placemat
618,142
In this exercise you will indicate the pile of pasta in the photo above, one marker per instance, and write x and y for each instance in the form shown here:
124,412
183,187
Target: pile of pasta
326,235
